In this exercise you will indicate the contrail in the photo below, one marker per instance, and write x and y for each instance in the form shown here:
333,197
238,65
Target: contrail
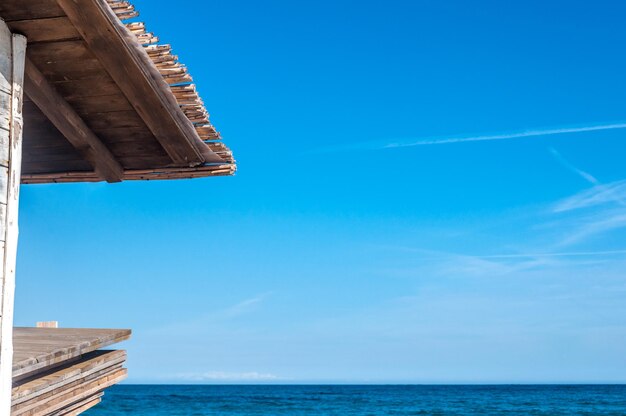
381,145
443,255
507,136
565,254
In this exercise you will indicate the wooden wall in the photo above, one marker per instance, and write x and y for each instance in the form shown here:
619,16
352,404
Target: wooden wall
12,56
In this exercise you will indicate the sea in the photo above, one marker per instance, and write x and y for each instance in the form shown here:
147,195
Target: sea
374,400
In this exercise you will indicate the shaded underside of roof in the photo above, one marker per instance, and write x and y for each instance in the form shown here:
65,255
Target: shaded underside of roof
66,53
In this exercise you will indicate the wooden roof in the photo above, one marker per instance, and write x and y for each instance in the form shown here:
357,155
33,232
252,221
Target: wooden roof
103,101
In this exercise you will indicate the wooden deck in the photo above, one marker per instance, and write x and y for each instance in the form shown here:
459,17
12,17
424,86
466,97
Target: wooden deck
62,371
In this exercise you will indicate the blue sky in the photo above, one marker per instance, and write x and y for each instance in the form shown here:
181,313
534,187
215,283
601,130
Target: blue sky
365,237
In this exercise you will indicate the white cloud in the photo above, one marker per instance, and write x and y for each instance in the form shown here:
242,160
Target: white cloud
597,224
585,175
611,193
212,318
555,254
222,376
245,306
592,212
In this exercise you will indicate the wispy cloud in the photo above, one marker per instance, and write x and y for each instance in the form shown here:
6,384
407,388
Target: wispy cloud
245,306
437,255
564,162
597,210
558,254
222,376
450,263
591,212
474,138
594,225
219,317
611,193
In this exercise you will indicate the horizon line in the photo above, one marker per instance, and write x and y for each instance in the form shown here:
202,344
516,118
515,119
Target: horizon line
390,383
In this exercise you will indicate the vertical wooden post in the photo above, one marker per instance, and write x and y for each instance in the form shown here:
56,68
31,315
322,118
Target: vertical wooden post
12,56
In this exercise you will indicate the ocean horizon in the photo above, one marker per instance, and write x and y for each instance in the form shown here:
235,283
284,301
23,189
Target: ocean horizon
363,399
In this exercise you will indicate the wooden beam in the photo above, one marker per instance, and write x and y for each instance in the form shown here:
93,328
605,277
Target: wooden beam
12,55
71,125
130,66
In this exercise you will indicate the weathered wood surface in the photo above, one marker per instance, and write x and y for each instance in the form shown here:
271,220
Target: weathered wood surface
113,99
69,387
61,371
79,392
32,9
90,364
6,78
71,125
12,56
39,348
129,65
81,406
45,30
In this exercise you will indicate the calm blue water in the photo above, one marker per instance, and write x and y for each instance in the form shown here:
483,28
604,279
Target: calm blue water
362,400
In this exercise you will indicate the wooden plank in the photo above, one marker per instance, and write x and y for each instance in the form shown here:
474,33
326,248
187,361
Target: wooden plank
147,162
67,70
5,109
39,348
45,168
86,88
59,51
49,155
45,30
8,224
130,66
92,365
147,150
102,104
70,61
88,364
59,381
129,134
69,123
79,393
81,406
4,194
117,120
70,393
45,149
6,65
4,146
29,9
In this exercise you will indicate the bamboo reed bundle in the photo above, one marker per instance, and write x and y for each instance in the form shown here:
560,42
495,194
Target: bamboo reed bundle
179,79
123,9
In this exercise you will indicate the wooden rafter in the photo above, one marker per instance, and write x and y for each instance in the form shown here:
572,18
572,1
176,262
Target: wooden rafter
131,68
71,125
